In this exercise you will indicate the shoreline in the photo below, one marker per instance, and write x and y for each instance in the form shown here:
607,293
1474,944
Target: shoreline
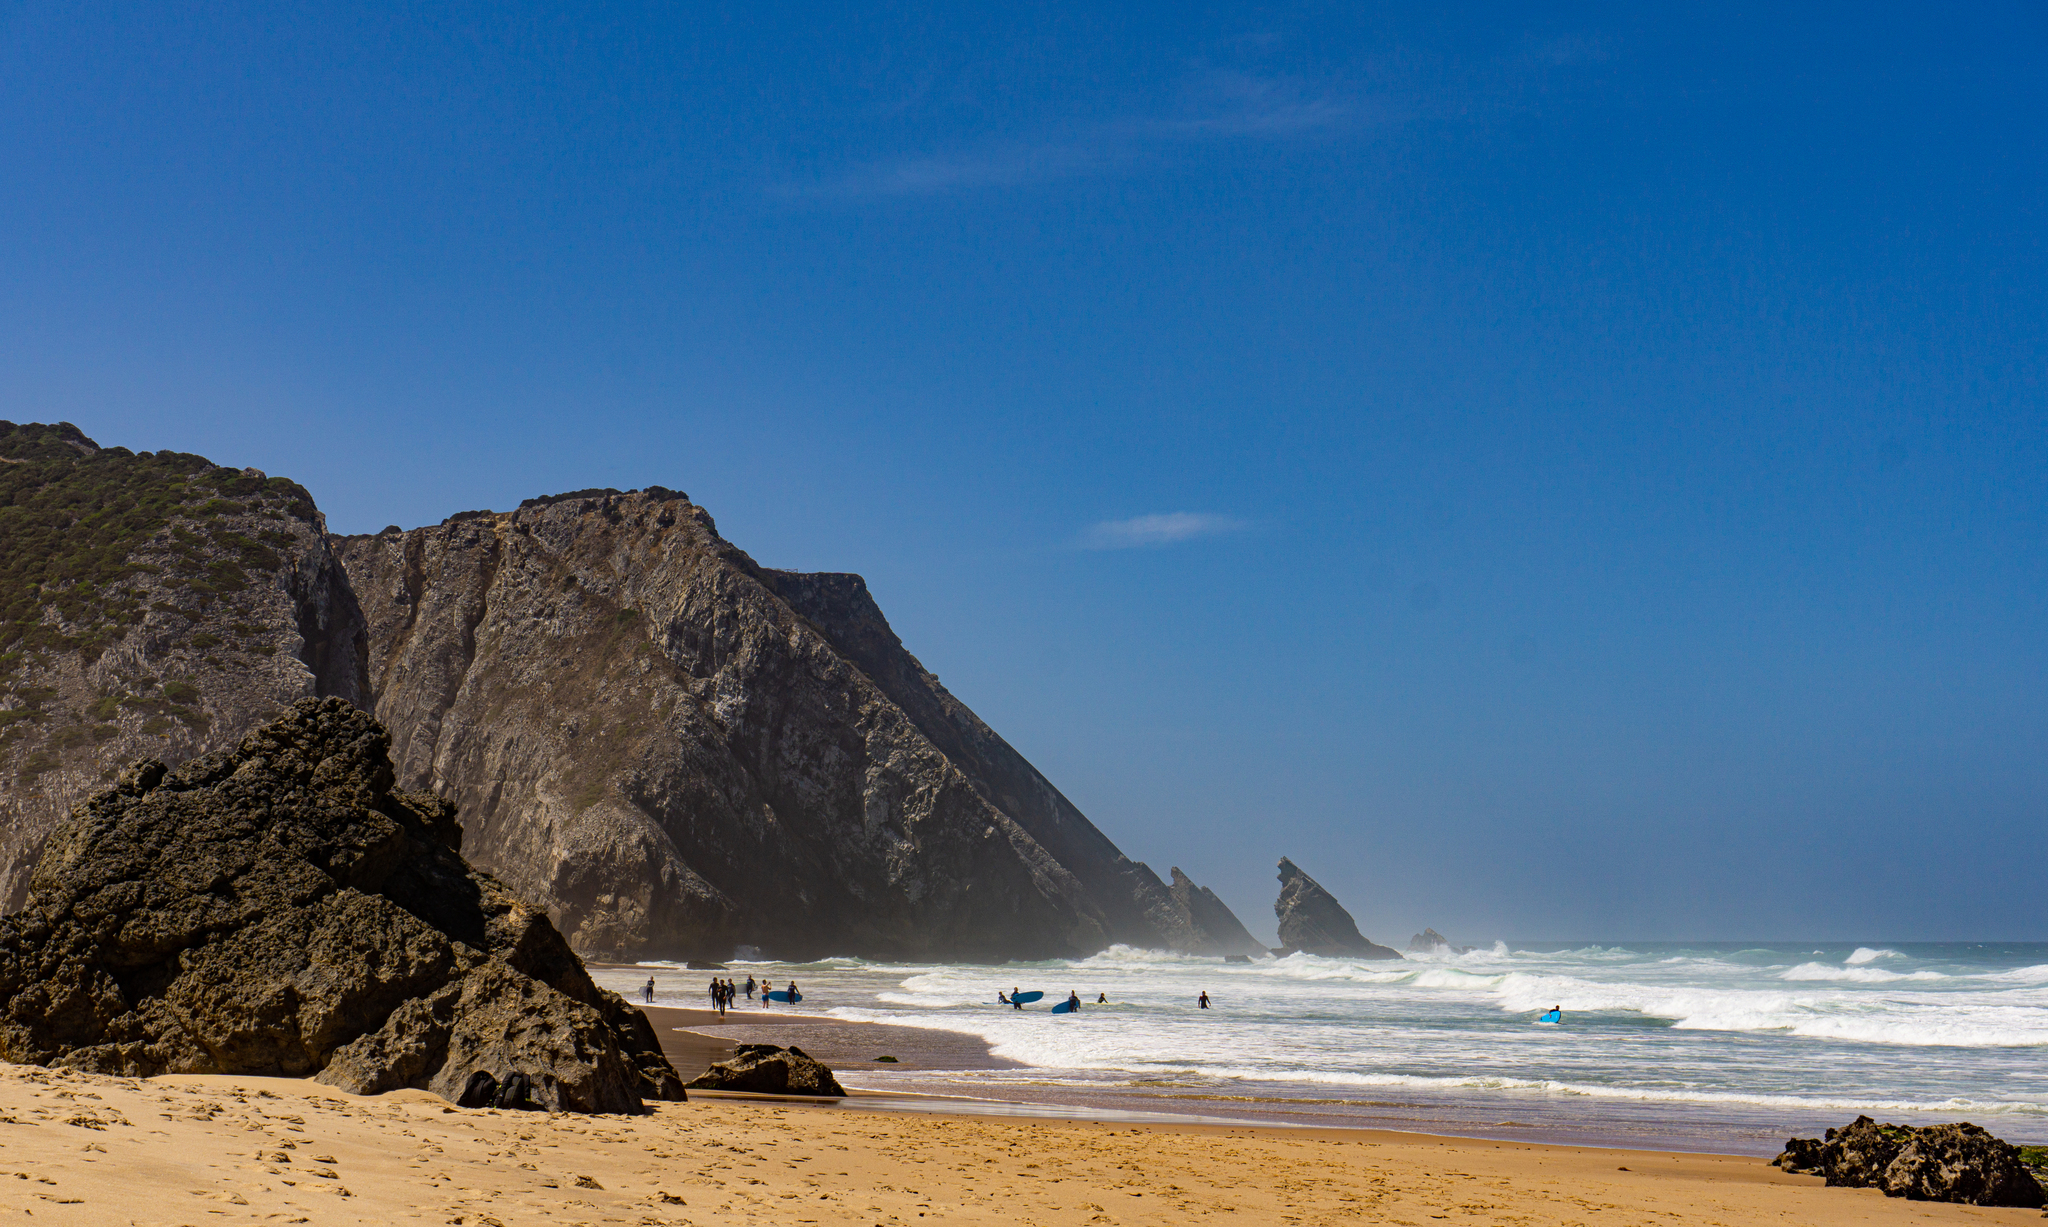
190,1148
941,1072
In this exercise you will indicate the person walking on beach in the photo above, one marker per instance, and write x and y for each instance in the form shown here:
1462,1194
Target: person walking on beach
649,990
750,988
1203,1001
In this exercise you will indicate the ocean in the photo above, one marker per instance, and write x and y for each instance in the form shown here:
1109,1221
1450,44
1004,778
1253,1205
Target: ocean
1725,1047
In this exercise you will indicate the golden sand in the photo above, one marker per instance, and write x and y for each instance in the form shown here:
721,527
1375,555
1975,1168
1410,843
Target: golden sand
201,1150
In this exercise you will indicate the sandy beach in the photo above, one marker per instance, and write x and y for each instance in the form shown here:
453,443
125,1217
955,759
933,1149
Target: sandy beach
80,1149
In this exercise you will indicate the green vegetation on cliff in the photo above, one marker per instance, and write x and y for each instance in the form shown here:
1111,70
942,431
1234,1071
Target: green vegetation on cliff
72,515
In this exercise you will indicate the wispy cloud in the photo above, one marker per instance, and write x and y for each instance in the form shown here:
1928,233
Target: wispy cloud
1216,107
1165,529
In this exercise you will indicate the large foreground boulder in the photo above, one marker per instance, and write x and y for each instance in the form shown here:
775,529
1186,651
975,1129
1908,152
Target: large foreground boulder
277,909
1312,921
1957,1163
766,1069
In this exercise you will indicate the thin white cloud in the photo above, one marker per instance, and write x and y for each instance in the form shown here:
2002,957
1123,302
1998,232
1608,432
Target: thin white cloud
1218,106
1164,529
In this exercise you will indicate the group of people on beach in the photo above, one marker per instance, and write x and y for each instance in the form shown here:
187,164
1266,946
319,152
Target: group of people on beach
725,994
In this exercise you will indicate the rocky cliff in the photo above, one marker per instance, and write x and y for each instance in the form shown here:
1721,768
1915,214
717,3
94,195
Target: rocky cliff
278,909
678,752
1312,921
150,604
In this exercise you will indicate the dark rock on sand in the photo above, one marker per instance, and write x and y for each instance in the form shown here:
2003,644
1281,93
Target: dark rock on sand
1856,1155
1801,1156
277,909
1312,921
1961,1163
766,1069
1954,1163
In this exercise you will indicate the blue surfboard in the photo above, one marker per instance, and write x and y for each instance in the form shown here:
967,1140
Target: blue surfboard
784,995
1027,998
1551,1016
1064,1007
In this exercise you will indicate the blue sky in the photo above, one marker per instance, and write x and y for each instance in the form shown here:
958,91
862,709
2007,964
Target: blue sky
1553,471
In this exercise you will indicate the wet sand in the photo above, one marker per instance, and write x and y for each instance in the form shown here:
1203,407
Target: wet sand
694,1039
92,1151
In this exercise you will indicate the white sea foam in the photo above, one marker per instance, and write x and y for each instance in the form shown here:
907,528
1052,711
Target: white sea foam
1913,1029
1859,975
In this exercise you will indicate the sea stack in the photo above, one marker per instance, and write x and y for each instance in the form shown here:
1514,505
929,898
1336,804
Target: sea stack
276,909
1213,918
1313,922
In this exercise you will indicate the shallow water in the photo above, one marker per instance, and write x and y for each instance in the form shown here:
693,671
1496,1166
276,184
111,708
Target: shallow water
1728,1047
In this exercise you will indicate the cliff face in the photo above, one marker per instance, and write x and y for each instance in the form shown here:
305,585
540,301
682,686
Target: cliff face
150,605
1311,920
678,752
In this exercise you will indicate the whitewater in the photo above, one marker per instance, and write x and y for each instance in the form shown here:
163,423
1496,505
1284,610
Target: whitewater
1681,1045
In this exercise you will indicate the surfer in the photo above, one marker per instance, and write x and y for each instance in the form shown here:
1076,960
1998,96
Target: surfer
750,988
1102,999
1014,1003
1000,999
793,994
1073,1002
1203,1000
650,990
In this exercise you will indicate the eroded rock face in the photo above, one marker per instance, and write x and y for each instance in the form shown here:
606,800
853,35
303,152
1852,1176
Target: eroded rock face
1961,1163
278,909
1222,932
765,1069
1312,921
1955,1163
679,753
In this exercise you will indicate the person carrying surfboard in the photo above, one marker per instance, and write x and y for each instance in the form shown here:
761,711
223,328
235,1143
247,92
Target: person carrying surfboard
1014,1003
1073,1002
1203,1000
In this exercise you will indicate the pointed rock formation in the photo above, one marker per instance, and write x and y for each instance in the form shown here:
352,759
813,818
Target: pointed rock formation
679,752
1313,922
1213,917
1429,941
276,909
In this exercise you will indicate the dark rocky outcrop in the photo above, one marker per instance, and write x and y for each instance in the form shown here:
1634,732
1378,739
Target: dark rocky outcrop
1429,941
680,753
1955,1163
278,909
765,1069
1856,1155
154,605
1221,931
1313,922
1801,1156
